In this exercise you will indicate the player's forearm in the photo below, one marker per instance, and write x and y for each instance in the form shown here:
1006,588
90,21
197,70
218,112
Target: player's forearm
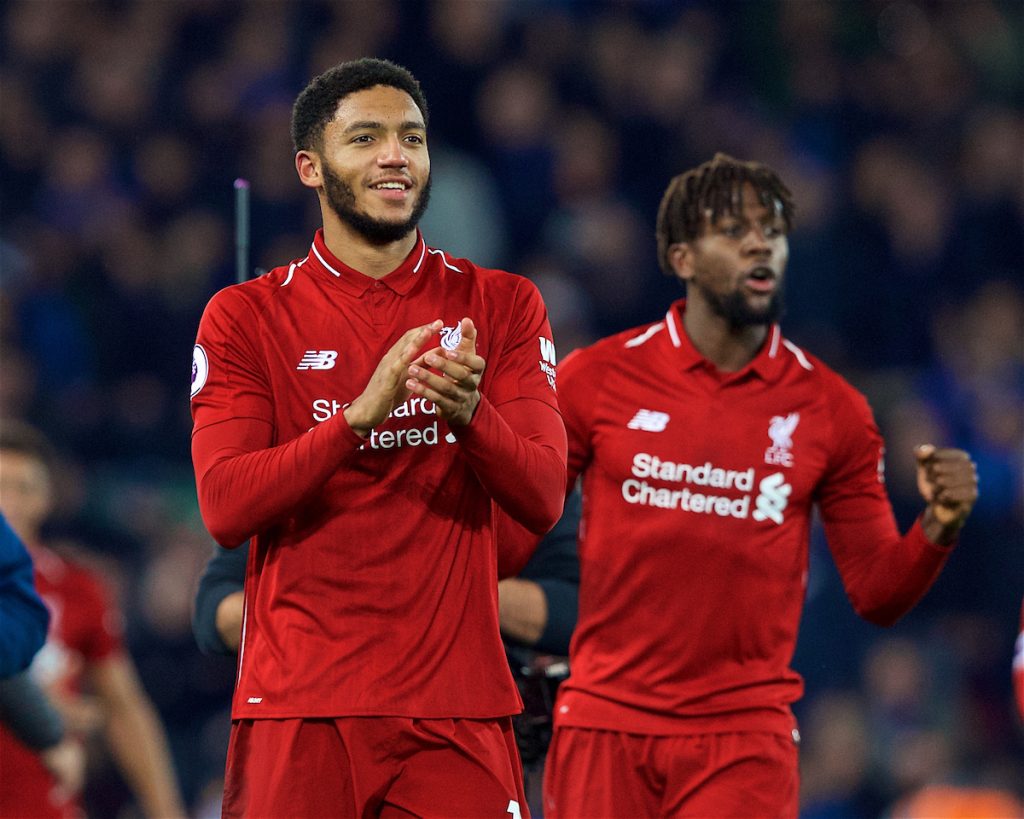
522,610
885,575
229,616
140,749
518,454
223,578
210,615
244,486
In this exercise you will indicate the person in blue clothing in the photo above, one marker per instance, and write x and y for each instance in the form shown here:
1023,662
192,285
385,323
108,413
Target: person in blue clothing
24,618
24,707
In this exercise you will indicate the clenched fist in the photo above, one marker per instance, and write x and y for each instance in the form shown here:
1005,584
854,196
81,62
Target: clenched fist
948,481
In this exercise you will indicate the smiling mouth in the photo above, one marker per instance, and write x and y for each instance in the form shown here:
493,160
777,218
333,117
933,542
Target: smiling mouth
391,185
395,191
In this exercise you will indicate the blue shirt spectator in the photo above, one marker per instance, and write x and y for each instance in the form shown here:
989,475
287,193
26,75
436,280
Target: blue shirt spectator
24,618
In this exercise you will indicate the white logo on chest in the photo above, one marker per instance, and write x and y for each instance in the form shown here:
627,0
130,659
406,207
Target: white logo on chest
773,498
705,489
649,421
318,360
780,430
451,336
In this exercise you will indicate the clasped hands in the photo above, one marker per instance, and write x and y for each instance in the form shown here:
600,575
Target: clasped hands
450,379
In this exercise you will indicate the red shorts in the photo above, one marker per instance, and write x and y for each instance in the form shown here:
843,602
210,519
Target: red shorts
373,766
595,773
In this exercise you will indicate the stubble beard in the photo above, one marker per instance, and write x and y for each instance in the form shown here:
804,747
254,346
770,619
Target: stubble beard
737,311
342,200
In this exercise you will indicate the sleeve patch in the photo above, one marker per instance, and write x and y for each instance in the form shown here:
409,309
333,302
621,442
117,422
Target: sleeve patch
200,369
547,359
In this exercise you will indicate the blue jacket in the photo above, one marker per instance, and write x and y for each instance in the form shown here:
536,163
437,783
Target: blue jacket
23,617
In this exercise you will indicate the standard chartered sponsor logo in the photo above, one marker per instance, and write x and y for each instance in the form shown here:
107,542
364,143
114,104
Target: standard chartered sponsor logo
773,499
734,498
643,493
651,466
324,408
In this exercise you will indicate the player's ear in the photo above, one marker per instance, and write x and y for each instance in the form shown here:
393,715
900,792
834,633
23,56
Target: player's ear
307,165
680,257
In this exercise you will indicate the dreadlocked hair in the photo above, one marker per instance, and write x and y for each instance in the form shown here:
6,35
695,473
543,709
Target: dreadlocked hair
701,195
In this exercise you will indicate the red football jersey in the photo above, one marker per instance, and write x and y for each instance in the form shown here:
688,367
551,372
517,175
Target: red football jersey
698,487
370,587
85,628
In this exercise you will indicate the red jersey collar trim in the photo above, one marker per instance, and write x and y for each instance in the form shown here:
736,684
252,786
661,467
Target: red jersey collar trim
765,363
401,279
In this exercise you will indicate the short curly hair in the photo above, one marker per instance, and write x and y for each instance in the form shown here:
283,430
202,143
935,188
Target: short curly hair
715,187
318,102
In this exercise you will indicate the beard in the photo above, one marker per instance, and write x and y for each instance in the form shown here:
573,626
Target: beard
735,309
342,201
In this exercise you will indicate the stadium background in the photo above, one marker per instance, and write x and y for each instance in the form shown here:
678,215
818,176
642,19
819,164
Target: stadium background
554,129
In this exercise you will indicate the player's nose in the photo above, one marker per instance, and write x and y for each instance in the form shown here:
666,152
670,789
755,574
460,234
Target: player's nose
755,242
392,153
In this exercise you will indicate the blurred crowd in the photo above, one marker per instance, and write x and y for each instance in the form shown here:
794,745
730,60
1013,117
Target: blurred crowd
555,125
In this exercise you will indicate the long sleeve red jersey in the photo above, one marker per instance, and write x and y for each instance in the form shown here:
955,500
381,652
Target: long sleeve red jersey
698,488
370,587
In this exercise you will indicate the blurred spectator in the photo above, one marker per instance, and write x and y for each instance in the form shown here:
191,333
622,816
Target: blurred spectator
516,110
465,213
836,759
83,665
25,617
951,802
28,714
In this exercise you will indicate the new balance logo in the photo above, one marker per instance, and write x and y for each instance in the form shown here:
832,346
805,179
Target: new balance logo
318,360
649,421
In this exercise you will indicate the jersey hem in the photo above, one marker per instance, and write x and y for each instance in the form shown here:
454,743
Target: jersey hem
237,714
576,709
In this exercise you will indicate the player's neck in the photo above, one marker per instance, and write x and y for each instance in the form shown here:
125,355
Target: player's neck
356,251
729,348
